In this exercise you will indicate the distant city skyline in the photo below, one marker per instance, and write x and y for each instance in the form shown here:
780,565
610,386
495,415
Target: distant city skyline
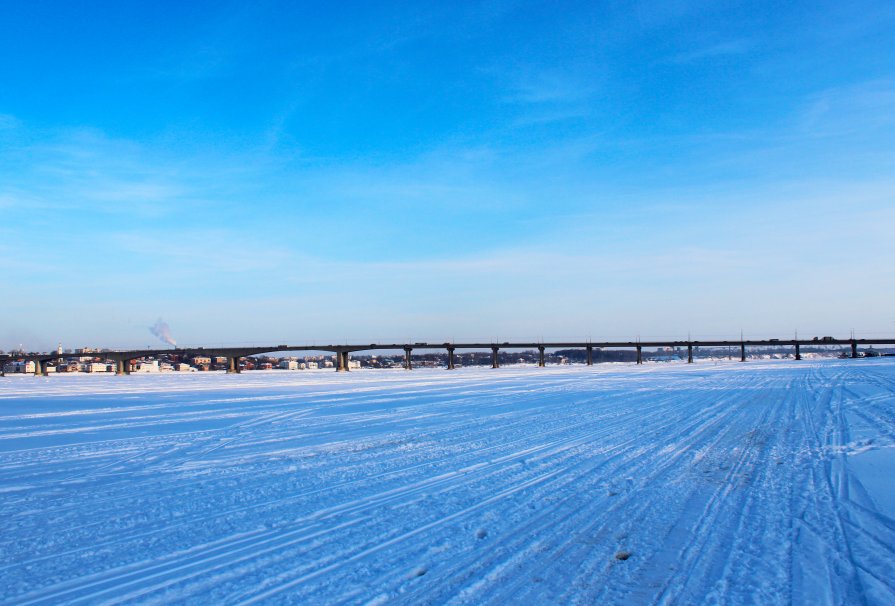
293,173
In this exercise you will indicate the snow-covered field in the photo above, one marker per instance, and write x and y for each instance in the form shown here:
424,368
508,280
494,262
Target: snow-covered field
756,483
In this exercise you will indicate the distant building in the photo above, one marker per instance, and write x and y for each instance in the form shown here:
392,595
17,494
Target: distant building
146,366
25,367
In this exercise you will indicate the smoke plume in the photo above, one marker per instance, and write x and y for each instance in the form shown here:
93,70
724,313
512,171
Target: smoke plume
163,332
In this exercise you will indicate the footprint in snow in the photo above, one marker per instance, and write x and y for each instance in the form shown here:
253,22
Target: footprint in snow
419,571
481,533
622,555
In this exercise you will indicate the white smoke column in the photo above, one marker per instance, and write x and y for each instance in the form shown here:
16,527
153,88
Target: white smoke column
163,332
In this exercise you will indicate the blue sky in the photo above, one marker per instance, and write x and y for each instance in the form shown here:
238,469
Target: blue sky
256,172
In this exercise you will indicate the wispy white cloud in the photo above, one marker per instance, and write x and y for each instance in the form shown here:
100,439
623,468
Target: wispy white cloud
98,174
549,86
727,48
860,108
8,122
8,200
199,250
540,95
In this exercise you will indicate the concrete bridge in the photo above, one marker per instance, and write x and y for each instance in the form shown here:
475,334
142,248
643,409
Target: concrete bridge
124,358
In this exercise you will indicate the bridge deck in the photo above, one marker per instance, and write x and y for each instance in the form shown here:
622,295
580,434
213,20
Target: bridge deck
480,345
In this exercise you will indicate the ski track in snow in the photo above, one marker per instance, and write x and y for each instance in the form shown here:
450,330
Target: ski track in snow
757,483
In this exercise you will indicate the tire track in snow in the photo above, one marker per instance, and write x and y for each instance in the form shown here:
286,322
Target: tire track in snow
535,525
299,496
526,452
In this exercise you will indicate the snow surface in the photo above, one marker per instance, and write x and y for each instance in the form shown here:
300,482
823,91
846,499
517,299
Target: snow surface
756,483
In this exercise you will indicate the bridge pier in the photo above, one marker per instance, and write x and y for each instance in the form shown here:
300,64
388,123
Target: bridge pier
742,352
122,366
639,354
408,365
495,358
232,365
450,365
689,353
590,355
40,368
541,356
854,349
798,352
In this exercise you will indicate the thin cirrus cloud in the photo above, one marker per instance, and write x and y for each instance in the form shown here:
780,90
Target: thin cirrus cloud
860,109
727,48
